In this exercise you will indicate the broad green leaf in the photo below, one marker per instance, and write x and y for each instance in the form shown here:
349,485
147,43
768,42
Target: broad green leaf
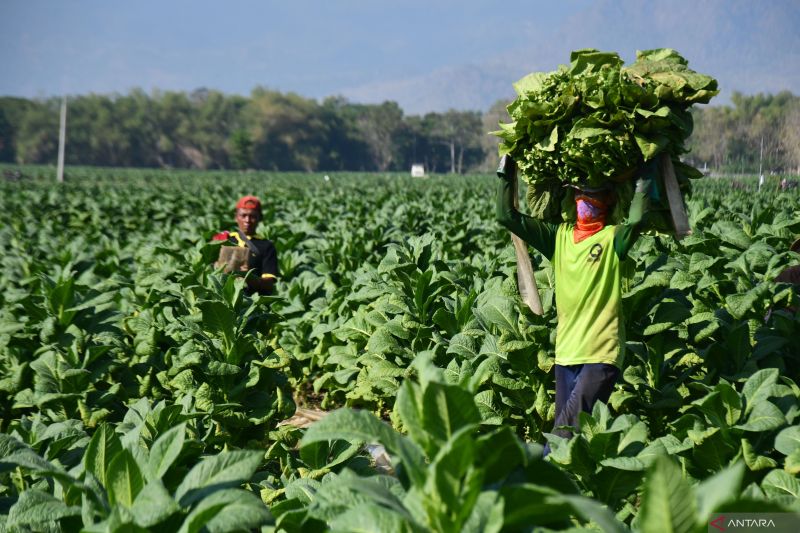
27,459
459,375
572,453
165,450
780,483
328,455
753,492
668,314
363,426
8,327
367,517
226,470
124,481
450,488
119,521
715,452
788,440
633,439
753,460
722,406
350,489
153,504
593,512
759,386
102,449
464,346
491,370
792,462
487,514
611,485
94,500
548,144
37,507
218,368
408,406
446,321
668,501
732,233
218,318
226,510
651,146
683,280
632,464
722,487
526,503
763,417
141,456
490,411
381,341
500,452
302,489
445,410
741,304
602,443
9,445
530,83
589,59
500,312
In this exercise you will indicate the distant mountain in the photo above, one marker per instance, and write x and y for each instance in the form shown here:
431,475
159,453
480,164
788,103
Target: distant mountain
468,87
749,47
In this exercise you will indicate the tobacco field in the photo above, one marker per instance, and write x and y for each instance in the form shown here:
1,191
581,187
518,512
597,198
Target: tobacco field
140,390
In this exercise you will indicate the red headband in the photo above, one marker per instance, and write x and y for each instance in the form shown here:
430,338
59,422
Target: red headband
249,202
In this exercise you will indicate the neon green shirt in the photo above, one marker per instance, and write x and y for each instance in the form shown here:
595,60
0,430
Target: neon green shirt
588,298
582,306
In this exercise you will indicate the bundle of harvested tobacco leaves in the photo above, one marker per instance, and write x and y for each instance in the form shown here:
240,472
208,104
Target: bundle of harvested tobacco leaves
596,121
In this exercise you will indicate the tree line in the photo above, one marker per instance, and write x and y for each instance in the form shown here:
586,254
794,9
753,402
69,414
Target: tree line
270,130
754,132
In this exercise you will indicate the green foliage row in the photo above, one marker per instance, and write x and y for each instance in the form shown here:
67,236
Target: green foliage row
268,130
453,477
141,390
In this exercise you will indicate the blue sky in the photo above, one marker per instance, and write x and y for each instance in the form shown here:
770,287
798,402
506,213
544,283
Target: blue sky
427,55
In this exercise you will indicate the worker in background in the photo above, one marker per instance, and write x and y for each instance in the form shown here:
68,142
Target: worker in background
586,257
787,184
262,259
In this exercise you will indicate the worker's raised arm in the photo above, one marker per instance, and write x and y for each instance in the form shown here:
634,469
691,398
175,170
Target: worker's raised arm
629,232
538,234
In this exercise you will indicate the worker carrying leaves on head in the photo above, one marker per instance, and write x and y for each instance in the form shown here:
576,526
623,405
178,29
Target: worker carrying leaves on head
586,258
251,254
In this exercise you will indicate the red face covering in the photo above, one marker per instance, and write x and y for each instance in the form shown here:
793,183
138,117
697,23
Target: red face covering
592,212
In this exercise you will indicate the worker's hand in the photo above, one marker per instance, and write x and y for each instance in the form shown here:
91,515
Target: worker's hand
647,182
507,170
649,170
244,267
644,185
